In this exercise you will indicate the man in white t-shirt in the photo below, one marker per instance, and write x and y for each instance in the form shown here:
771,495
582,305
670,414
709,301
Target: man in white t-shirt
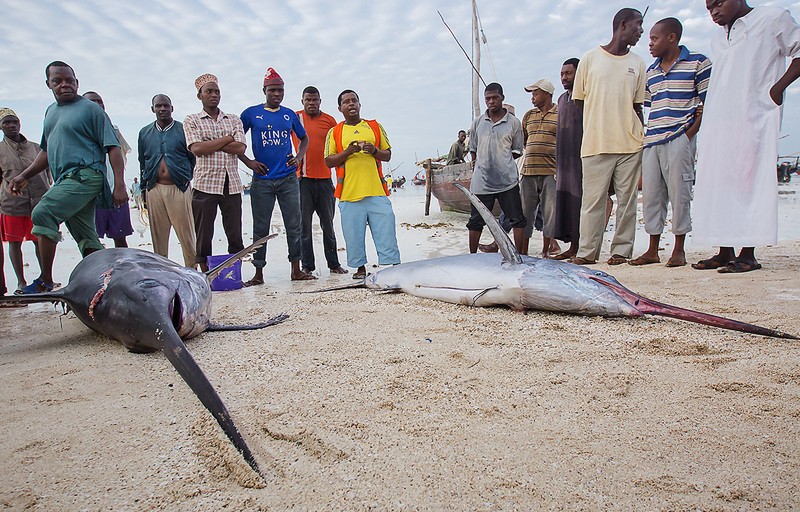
610,84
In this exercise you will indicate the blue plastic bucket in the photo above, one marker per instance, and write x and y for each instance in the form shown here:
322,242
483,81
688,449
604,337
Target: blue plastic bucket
228,279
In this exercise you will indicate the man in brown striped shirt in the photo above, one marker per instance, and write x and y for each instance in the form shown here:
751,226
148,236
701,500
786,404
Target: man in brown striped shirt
538,183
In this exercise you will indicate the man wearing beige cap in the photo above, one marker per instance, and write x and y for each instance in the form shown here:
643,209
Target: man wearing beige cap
216,138
538,183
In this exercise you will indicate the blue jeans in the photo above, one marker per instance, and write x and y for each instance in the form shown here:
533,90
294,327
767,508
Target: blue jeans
316,195
375,211
262,200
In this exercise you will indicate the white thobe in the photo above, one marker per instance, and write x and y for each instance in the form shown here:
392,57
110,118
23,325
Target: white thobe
736,193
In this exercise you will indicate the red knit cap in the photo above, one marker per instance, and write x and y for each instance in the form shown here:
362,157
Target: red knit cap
272,78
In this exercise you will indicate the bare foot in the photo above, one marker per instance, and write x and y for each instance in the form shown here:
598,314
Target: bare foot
339,270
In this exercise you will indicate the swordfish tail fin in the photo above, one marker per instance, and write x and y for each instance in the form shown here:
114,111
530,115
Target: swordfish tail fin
652,307
250,249
187,367
504,243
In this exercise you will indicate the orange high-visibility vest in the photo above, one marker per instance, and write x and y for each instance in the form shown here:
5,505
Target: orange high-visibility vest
337,138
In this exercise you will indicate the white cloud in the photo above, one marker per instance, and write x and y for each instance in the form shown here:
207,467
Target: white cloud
396,54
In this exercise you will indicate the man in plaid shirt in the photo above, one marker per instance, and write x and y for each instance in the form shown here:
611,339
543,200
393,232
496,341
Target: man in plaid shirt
215,138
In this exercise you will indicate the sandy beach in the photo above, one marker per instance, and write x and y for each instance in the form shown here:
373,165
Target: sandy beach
375,401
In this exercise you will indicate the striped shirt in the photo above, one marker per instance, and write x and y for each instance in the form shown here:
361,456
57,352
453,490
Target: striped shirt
540,130
674,96
211,170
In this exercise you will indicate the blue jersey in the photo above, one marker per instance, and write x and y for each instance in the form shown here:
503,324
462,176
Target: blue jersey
271,135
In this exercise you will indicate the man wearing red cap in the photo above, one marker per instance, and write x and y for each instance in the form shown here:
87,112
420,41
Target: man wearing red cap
275,173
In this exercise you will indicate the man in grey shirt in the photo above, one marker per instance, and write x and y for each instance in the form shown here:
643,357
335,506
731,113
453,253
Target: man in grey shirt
496,141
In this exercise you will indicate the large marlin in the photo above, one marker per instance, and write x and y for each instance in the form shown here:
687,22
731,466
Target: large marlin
523,282
148,303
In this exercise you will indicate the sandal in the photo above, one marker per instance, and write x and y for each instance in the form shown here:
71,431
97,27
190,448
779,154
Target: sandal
339,270
253,282
711,263
577,260
302,276
676,261
738,266
641,260
616,259
360,275
37,286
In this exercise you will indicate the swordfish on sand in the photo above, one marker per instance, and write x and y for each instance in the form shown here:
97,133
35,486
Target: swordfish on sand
149,303
523,282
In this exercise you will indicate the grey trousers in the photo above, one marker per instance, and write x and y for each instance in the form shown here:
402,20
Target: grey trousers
667,176
539,191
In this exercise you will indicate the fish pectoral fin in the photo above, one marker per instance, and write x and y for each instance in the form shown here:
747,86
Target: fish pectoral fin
252,327
482,293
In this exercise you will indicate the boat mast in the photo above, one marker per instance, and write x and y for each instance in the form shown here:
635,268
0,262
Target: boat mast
476,59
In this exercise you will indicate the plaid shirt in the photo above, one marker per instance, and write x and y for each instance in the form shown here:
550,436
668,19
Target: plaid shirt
211,170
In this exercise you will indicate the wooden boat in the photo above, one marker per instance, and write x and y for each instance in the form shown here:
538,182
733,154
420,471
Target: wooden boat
443,178
418,179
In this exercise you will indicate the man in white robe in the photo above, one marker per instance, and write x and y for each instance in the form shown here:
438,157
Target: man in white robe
736,197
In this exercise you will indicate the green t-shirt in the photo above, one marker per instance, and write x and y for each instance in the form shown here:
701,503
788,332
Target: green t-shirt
76,136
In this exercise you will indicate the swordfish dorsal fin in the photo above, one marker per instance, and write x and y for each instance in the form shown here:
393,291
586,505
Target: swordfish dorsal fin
507,249
214,272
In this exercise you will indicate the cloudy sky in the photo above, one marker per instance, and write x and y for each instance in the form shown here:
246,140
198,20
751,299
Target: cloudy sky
397,54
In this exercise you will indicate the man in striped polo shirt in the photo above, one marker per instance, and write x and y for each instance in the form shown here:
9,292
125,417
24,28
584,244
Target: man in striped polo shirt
538,183
676,87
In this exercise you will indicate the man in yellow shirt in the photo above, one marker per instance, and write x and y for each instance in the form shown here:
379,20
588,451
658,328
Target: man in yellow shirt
610,85
356,148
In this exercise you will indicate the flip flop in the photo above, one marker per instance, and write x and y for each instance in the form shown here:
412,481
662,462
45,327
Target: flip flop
641,260
676,262
711,263
563,256
303,277
37,286
616,259
253,282
339,270
360,275
582,261
738,266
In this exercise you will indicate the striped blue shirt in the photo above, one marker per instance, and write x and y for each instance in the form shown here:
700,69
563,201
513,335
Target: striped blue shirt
674,96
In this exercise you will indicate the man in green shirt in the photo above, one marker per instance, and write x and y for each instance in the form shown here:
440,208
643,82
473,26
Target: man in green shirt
77,135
